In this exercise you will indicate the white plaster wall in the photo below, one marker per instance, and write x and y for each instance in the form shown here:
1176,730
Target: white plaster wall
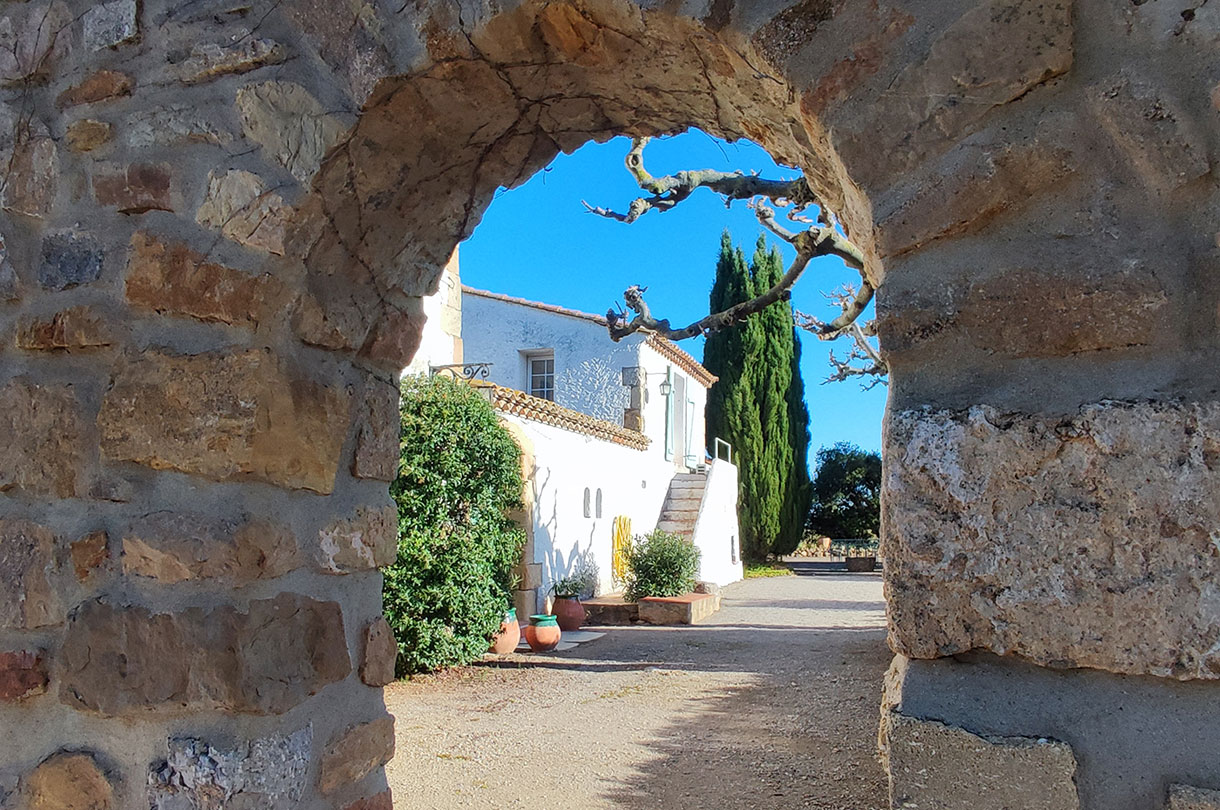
633,483
716,530
588,365
655,413
437,345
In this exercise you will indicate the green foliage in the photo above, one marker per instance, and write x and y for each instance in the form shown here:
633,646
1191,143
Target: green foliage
846,493
758,405
459,478
765,569
581,582
661,564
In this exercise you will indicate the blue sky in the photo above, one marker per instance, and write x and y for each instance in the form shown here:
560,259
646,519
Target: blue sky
538,242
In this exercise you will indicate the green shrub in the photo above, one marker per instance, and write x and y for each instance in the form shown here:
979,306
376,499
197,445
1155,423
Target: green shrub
459,478
661,564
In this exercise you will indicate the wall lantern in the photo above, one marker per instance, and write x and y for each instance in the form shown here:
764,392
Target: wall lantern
666,388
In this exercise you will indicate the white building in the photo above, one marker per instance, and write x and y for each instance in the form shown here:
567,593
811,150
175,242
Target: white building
609,431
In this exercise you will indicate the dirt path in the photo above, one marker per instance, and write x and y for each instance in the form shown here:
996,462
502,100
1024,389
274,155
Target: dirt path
773,704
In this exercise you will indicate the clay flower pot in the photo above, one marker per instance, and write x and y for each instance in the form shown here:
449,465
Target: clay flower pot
506,639
569,611
543,633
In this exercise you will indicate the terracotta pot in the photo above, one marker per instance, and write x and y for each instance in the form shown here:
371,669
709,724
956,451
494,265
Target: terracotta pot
509,635
569,611
543,634
860,564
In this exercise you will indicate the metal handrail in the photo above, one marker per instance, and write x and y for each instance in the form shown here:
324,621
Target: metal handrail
463,371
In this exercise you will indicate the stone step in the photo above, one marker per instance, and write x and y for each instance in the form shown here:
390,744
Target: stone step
673,527
690,608
683,504
610,609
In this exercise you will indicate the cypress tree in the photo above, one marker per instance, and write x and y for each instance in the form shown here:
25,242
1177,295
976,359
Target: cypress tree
758,405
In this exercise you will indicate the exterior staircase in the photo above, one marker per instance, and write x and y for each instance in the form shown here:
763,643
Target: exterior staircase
681,509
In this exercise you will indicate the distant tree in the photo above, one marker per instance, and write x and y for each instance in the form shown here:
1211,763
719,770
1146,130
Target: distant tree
758,404
846,492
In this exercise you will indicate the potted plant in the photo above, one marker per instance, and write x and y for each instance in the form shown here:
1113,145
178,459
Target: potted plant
569,590
508,636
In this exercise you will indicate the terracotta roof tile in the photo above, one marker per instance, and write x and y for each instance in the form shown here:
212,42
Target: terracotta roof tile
519,403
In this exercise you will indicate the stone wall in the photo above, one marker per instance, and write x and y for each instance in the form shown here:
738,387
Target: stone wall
218,224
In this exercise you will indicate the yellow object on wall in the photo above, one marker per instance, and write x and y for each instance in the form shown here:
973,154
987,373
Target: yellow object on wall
621,544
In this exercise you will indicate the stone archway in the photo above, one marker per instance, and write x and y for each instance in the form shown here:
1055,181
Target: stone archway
219,222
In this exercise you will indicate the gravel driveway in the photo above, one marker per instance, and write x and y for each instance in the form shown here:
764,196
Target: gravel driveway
771,704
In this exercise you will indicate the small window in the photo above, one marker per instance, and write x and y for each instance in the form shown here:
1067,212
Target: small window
588,508
542,376
599,503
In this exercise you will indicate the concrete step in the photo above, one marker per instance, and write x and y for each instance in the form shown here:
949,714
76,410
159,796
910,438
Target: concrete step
683,504
684,528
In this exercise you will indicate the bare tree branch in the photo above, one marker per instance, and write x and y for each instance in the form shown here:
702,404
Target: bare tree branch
822,238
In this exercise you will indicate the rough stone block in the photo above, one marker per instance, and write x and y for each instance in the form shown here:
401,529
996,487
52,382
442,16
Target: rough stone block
354,754
136,188
171,278
690,608
23,674
28,598
1043,536
10,285
32,176
90,555
108,25
243,53
381,801
103,85
42,451
87,135
395,337
28,52
933,766
368,539
290,124
222,416
932,102
68,260
119,660
80,327
377,450
176,125
380,653
67,781
1184,797
1012,315
972,186
1159,139
239,204
270,773
175,547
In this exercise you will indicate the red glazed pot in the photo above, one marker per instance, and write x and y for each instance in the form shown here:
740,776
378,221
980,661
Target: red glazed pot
543,634
569,611
506,640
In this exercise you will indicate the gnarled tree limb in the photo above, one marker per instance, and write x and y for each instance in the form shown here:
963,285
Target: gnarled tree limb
820,239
